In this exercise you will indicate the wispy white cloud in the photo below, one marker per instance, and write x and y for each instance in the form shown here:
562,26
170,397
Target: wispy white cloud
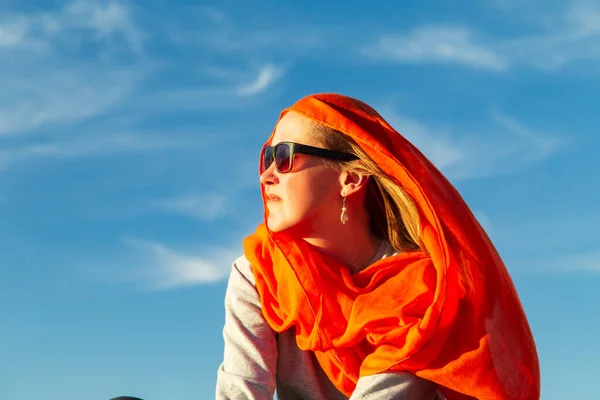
54,29
215,15
98,145
216,31
503,150
583,18
575,36
66,67
204,206
228,87
106,19
536,145
558,37
563,36
438,147
159,267
267,75
12,33
585,262
33,98
445,44
46,81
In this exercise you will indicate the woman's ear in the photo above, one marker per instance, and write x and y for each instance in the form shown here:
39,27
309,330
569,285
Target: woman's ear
352,182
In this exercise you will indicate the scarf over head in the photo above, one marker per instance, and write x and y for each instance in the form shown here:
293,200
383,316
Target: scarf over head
449,314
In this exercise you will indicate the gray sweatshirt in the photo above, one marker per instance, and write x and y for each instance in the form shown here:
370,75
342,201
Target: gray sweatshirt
257,360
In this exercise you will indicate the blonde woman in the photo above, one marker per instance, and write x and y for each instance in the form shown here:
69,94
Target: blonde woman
369,278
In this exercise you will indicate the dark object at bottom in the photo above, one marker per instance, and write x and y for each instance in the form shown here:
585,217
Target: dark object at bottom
126,398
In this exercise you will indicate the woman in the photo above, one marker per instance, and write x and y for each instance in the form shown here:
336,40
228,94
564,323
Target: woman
370,278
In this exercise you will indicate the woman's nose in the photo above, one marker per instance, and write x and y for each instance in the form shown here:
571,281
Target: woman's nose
269,176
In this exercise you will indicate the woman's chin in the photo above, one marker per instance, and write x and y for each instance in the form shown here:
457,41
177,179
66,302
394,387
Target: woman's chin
276,225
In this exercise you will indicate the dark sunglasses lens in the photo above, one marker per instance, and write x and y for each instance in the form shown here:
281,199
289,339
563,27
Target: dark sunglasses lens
267,158
282,158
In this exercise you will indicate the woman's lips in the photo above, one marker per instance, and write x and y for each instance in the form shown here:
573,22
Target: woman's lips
271,198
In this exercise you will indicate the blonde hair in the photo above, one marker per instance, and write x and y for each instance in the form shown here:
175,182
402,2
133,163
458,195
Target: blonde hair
393,213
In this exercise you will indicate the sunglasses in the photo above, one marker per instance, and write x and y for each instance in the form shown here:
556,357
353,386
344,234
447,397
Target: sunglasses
283,155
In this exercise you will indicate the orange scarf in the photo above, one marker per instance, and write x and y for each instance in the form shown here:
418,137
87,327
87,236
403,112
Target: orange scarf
450,315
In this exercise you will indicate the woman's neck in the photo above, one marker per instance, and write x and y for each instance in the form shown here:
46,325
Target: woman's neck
350,246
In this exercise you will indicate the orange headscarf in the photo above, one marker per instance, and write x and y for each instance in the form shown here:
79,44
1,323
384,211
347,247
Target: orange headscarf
449,314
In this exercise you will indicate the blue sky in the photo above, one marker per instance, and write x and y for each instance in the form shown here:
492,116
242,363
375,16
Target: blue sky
129,136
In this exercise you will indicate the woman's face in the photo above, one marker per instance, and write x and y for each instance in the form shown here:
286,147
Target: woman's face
308,198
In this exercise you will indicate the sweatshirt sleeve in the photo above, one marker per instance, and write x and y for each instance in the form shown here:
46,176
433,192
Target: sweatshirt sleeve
250,356
394,385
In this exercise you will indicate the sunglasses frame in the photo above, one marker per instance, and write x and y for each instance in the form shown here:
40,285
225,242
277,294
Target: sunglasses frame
297,148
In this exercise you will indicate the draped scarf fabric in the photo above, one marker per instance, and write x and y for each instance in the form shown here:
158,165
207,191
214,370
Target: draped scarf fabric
449,314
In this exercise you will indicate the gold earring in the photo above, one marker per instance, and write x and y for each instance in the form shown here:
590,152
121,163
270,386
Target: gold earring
344,216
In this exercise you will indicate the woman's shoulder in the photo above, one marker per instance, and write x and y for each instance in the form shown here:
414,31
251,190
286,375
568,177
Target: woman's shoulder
242,266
